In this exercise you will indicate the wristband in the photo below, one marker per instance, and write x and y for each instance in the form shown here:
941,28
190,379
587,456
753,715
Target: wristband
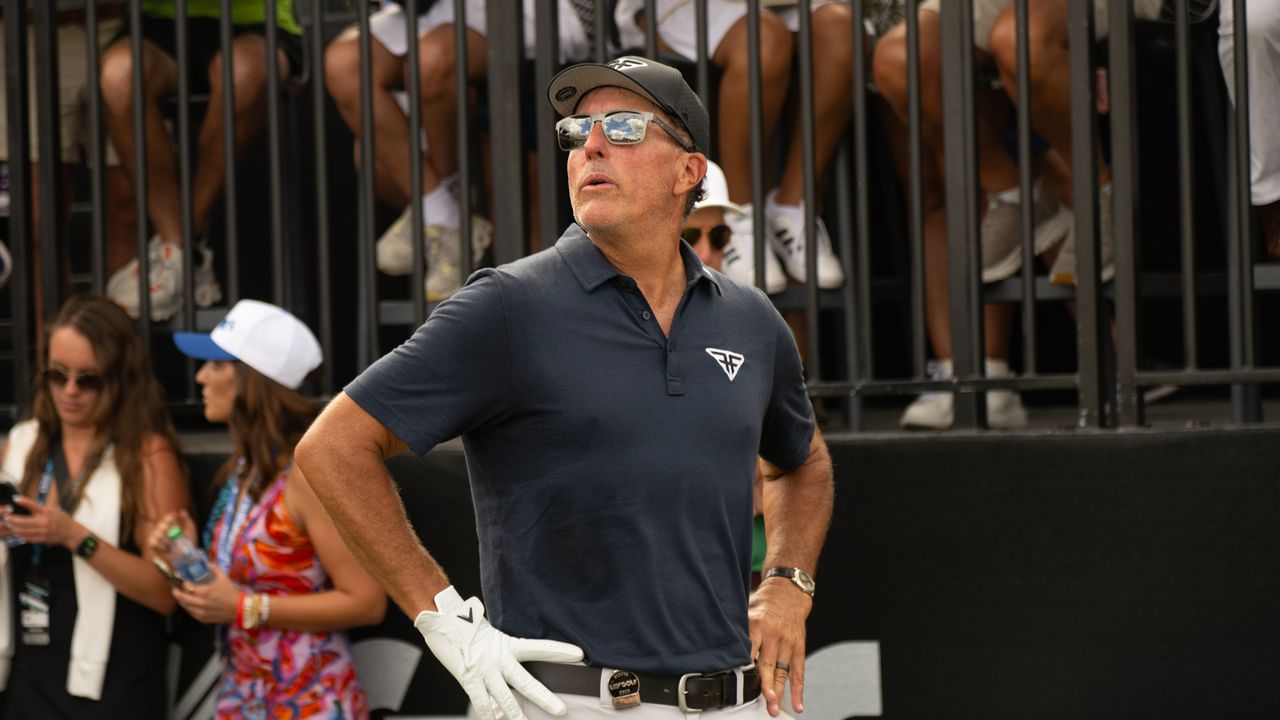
240,612
264,611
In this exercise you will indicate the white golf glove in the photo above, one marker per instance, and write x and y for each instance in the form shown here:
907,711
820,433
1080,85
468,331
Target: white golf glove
486,660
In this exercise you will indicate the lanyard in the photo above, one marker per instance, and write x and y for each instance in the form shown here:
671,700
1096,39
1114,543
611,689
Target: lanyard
46,484
233,524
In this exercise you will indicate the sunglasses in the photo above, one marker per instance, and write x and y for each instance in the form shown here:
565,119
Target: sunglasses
87,382
620,127
717,235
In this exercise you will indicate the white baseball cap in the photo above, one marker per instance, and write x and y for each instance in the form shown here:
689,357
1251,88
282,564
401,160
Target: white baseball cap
264,337
717,189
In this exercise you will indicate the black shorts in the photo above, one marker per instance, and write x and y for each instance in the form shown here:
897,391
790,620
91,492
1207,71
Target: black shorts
204,44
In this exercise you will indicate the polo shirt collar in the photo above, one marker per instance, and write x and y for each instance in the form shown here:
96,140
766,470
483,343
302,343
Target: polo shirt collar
592,269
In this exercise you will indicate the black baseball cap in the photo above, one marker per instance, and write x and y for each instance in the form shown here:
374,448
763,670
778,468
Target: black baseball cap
661,84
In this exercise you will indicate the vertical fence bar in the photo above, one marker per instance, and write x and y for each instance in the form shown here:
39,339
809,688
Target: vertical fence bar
960,135
230,203
15,70
321,154
703,61
915,194
756,111
650,27
413,86
1186,182
1026,186
464,130
367,282
271,23
50,146
1124,193
852,330
550,186
96,154
804,50
861,265
1245,399
505,48
601,35
1084,168
140,179
181,48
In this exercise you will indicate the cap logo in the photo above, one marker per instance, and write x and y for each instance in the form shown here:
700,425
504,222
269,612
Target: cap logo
565,93
625,63
227,324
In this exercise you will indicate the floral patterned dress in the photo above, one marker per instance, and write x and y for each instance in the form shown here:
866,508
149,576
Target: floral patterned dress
273,673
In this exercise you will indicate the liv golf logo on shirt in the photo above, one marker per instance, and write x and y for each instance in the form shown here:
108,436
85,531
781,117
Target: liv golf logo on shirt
730,361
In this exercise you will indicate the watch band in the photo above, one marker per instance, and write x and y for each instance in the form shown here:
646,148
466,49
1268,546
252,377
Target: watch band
87,547
801,579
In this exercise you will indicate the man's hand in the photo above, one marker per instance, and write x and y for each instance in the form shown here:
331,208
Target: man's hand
485,660
777,615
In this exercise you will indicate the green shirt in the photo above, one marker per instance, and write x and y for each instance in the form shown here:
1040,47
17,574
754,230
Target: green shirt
243,12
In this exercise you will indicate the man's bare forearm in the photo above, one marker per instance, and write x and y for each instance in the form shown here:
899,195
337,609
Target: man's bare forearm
342,457
797,510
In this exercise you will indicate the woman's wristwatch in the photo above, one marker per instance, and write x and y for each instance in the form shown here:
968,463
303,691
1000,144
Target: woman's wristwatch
88,546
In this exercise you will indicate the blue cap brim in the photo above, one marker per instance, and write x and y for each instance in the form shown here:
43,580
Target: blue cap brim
200,346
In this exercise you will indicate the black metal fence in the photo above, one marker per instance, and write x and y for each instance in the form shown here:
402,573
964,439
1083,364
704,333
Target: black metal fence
298,224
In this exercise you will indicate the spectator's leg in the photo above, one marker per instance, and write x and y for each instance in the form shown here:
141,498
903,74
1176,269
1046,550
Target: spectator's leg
159,73
122,219
832,98
1050,71
249,67
390,125
439,92
776,44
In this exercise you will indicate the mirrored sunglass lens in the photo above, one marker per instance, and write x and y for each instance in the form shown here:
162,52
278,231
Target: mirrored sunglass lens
623,128
572,132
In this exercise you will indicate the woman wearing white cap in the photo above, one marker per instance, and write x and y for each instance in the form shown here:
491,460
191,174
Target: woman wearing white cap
284,581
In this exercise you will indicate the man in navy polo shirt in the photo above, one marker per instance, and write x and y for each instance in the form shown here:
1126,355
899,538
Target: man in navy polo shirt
612,395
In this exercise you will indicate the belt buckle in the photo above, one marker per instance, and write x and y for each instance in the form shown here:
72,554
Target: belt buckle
680,693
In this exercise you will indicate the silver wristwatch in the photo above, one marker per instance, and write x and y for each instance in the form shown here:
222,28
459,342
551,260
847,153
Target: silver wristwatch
802,579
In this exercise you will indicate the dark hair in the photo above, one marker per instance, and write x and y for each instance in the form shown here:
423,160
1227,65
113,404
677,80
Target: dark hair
267,421
129,410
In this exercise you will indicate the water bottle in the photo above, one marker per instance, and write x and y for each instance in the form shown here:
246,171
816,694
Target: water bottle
188,562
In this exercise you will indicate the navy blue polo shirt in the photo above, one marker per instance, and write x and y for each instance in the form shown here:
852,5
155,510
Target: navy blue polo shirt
611,466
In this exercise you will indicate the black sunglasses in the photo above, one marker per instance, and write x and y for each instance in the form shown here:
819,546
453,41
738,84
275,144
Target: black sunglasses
717,235
87,382
621,127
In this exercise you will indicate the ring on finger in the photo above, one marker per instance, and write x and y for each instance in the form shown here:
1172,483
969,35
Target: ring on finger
784,667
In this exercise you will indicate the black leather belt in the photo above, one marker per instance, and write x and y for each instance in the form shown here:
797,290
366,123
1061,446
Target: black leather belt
691,691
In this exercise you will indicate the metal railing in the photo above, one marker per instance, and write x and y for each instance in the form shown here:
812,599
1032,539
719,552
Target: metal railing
300,215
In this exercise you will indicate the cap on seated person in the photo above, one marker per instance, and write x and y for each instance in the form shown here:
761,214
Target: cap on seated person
716,190
661,84
266,338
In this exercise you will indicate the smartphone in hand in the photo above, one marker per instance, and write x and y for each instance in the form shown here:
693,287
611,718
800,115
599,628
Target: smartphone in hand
167,572
8,491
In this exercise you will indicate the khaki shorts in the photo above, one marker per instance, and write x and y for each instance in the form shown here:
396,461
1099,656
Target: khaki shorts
985,13
73,84
677,21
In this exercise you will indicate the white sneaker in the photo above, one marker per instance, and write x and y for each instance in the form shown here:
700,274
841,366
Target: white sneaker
936,410
6,264
444,272
393,251
164,286
739,255
786,235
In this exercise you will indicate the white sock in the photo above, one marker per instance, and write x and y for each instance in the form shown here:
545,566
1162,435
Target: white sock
773,207
440,207
1012,196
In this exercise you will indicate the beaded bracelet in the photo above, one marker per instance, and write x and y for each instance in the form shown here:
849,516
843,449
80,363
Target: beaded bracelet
249,607
265,611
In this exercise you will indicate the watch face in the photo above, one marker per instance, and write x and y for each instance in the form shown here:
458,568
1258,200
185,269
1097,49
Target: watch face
804,580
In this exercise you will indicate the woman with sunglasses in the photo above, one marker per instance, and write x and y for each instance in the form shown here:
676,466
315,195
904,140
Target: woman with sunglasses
283,582
96,465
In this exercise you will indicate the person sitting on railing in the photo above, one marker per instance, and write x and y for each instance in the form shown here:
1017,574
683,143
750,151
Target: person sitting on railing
160,80
97,465
441,214
1263,47
1002,213
1050,76
832,85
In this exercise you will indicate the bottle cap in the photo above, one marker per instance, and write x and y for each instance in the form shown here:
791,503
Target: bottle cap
174,532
